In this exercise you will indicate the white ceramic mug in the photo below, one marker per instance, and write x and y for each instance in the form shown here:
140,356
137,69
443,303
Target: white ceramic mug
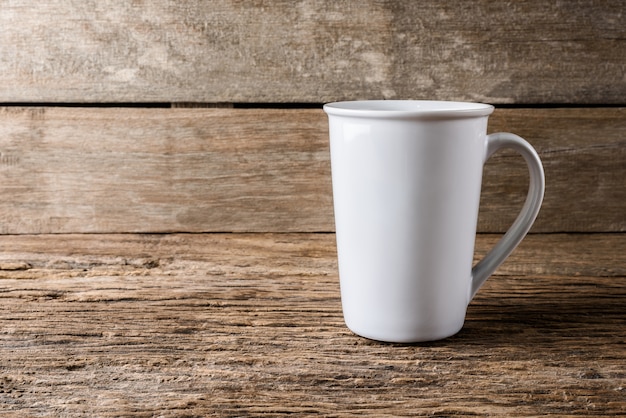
406,186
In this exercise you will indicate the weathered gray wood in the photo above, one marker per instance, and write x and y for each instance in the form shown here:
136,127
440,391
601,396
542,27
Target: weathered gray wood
584,156
66,170
250,324
150,170
528,51
239,325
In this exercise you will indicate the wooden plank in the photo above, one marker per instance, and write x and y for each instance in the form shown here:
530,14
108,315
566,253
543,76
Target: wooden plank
160,170
530,51
584,156
92,170
232,325
41,256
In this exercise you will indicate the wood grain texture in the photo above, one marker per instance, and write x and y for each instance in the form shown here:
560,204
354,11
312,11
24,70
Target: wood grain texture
250,324
99,170
528,51
151,170
583,152
240,325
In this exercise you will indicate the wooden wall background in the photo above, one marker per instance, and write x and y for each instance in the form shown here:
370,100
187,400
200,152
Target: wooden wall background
109,122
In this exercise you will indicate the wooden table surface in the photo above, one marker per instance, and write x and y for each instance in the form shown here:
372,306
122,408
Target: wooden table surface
251,324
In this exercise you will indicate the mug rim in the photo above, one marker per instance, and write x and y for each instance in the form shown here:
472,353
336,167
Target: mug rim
408,109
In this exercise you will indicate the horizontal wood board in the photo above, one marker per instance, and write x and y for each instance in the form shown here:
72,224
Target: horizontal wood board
41,256
100,170
232,325
527,51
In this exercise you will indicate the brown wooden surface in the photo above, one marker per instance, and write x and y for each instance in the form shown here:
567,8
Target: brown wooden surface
527,51
98,320
96,170
236,324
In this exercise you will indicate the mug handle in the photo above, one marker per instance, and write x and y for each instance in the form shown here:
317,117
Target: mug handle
485,267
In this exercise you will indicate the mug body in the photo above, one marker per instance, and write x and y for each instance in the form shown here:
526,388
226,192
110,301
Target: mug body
406,181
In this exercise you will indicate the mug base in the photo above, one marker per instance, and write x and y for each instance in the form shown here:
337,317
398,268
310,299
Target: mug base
408,337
